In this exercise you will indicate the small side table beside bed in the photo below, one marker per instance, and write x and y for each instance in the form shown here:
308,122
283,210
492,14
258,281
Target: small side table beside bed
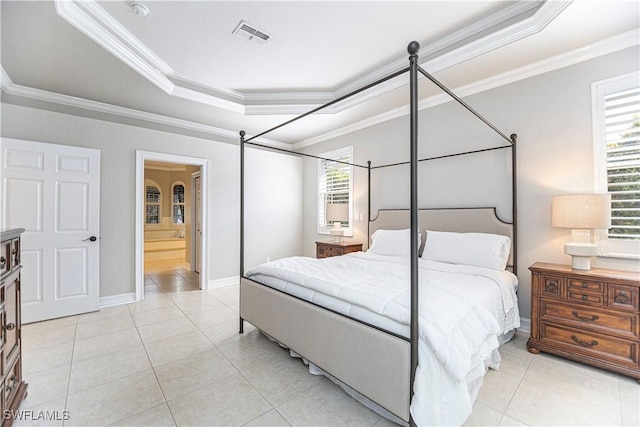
329,249
590,316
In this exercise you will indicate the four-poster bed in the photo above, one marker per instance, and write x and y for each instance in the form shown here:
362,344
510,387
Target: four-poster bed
371,355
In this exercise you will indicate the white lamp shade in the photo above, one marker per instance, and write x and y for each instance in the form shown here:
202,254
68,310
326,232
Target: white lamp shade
585,211
337,212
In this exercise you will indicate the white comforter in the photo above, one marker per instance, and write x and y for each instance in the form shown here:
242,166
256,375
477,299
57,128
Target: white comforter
462,311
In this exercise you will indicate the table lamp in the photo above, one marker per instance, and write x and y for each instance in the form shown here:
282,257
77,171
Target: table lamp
336,214
581,213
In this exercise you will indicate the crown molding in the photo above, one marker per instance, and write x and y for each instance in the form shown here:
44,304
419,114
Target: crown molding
604,47
118,41
474,40
12,89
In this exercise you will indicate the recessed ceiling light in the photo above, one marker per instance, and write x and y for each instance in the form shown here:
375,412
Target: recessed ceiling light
139,8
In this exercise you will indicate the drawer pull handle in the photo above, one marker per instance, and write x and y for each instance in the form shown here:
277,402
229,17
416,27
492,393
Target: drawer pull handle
551,286
585,319
10,326
3,262
584,343
584,297
585,285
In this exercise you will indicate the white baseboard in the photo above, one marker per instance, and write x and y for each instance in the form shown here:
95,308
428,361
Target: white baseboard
221,283
112,300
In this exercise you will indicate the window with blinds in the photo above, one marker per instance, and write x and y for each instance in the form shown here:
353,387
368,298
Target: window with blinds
616,115
622,129
152,204
335,187
178,206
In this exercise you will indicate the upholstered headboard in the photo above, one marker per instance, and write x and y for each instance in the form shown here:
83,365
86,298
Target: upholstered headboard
461,220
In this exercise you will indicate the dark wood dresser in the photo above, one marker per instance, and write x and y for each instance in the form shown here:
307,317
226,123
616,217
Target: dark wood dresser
13,386
329,249
589,316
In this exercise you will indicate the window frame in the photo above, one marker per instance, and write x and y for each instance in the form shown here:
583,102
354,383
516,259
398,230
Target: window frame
608,247
150,183
174,203
334,154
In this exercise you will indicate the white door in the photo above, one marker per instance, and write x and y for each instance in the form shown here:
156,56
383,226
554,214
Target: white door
198,227
53,192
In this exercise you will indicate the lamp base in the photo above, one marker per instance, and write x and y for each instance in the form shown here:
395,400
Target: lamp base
581,254
337,232
581,262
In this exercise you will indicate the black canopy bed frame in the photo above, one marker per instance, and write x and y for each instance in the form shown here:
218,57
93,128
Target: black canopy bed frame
392,385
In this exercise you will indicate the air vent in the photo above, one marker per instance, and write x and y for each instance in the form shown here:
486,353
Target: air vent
246,31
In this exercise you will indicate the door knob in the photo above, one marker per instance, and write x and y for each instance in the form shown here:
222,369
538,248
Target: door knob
91,239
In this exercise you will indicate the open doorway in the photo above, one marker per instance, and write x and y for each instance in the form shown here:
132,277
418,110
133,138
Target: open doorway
170,223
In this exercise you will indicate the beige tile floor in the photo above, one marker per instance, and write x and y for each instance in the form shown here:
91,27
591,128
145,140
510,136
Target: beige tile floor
176,359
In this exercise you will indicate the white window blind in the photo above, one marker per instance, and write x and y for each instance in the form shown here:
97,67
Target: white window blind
152,205
622,130
334,186
178,206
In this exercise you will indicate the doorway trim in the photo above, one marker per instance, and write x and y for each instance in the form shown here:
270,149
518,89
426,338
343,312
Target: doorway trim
194,220
141,156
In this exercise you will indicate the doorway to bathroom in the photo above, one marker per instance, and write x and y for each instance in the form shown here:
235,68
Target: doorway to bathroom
170,224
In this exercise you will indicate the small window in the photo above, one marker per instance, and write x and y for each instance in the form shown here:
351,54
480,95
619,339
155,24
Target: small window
152,204
177,203
335,191
617,160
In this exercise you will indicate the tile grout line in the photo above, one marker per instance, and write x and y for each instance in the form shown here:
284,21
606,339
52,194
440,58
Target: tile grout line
504,414
73,349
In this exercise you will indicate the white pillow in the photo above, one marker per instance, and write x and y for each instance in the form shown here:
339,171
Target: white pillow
477,249
391,242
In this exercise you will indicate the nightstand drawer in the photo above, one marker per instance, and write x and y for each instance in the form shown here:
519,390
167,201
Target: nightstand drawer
552,286
581,296
330,249
325,252
623,296
622,352
585,285
610,322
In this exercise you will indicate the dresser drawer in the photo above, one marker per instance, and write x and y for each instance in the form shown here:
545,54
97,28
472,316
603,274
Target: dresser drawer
11,383
586,285
583,296
620,351
623,296
5,257
331,249
626,325
327,251
552,286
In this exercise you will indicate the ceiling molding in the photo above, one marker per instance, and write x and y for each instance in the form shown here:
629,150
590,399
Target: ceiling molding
10,88
122,47
474,40
604,47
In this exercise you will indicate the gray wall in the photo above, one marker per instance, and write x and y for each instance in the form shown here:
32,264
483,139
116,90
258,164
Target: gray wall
551,113
118,144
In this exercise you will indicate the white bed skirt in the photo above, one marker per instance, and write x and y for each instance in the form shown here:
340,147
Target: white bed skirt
473,386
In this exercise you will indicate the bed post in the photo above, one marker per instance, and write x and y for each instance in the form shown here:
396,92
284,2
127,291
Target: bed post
514,201
242,134
413,49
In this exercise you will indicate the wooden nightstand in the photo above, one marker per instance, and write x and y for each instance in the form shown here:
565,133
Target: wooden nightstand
329,249
589,316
